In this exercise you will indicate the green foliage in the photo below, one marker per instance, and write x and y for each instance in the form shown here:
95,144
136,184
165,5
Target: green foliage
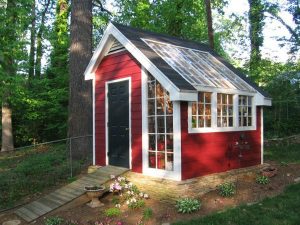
112,212
283,153
226,189
54,221
139,203
147,213
282,209
115,200
262,180
29,171
188,205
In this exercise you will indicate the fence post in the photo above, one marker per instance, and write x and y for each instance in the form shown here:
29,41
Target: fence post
71,168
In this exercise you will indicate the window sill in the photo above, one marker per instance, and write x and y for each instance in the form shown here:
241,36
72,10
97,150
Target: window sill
219,129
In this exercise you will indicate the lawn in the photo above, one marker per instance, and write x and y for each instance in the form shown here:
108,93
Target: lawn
283,153
29,171
282,209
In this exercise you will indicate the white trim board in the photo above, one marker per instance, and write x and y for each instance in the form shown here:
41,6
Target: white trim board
106,118
262,134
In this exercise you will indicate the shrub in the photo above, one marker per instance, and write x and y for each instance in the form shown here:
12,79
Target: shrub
188,205
226,189
54,221
112,212
262,179
147,213
136,204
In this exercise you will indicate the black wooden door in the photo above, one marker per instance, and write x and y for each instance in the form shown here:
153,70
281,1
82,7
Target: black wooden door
118,124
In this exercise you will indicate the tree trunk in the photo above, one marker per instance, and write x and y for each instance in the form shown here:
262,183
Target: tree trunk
32,42
39,48
210,30
80,96
256,17
7,135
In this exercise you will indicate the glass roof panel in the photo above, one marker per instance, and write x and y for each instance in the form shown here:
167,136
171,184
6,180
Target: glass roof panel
198,68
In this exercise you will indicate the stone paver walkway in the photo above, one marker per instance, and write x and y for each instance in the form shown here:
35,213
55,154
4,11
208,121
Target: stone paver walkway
46,204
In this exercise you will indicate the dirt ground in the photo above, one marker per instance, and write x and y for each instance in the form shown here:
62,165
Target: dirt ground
247,192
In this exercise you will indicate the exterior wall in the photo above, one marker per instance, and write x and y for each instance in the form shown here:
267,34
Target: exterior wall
117,66
206,153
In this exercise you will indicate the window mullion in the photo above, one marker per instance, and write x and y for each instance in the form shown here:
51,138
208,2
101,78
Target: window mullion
235,110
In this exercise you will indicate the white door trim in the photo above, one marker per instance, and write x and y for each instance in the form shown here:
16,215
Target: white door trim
106,117
262,135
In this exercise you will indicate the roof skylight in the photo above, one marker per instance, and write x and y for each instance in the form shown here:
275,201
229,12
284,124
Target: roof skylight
198,68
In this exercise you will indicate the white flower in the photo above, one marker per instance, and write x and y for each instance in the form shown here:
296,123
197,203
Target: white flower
126,186
128,192
127,202
146,196
141,194
118,205
130,184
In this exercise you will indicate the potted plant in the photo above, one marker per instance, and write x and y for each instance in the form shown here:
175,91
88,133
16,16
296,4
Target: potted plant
93,193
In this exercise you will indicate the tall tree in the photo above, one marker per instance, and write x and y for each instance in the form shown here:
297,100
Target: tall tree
15,21
80,102
210,30
256,24
32,41
39,47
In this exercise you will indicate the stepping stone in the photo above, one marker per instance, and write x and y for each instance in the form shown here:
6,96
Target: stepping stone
12,222
297,180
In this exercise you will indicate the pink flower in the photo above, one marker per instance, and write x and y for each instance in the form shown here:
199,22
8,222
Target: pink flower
119,223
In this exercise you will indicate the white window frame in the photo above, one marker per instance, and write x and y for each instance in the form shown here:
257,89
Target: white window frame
247,96
176,173
214,127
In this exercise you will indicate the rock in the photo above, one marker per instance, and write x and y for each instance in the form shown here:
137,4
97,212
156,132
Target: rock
12,222
296,180
165,224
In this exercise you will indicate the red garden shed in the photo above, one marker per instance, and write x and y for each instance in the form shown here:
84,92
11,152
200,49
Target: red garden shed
171,108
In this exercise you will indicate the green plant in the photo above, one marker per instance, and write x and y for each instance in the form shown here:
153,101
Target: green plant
115,200
54,221
226,189
112,212
188,205
262,179
147,213
136,204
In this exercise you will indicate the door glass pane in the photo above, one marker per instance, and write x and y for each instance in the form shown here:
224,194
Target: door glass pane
161,142
160,124
152,142
169,124
170,160
161,160
151,124
152,160
151,107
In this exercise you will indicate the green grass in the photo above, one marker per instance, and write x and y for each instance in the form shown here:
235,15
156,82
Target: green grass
29,171
283,153
282,209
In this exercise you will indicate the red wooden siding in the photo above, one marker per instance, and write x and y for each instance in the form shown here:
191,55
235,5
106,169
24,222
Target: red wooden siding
206,153
117,66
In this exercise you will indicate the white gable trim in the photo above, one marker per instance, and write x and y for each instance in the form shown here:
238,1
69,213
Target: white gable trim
106,43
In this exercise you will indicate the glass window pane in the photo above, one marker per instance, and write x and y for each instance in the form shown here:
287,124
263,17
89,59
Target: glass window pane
249,100
200,97
219,122
151,107
224,99
207,97
249,121
169,124
219,110
170,161
219,98
208,109
161,160
224,121
170,143
230,99
194,121
161,142
152,160
194,108
200,121
230,110
160,106
151,89
152,141
208,121
230,120
160,124
200,109
159,91
169,106
245,121
151,124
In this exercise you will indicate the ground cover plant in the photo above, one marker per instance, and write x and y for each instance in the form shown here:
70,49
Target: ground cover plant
262,179
33,170
188,205
227,189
